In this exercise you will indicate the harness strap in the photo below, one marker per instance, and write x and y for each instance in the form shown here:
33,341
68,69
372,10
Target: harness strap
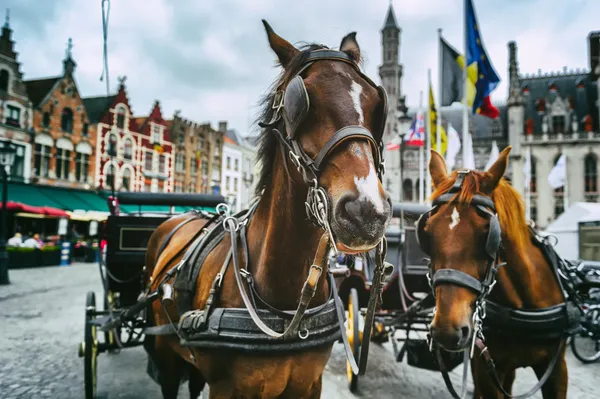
452,276
491,368
345,133
341,318
308,290
446,376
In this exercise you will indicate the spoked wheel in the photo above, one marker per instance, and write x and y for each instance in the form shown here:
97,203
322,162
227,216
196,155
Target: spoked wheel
109,336
586,345
90,347
354,334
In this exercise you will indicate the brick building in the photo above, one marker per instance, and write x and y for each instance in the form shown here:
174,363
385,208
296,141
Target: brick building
198,149
15,108
133,154
63,143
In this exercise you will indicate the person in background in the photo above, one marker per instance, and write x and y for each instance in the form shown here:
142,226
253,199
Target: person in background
16,240
33,242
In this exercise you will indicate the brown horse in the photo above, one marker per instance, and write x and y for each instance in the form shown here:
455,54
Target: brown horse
456,235
281,242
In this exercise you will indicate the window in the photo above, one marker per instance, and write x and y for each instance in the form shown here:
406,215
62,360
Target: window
237,166
112,145
4,77
127,179
63,159
204,168
66,120
590,171
128,149
559,196
46,119
228,165
533,210
227,181
84,130
156,133
179,162
82,164
148,161
193,166
13,116
533,181
558,124
407,189
121,118
42,160
200,142
162,162
235,184
110,176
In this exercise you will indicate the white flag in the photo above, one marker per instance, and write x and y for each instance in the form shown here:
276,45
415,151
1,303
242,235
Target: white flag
558,175
453,147
527,168
469,162
494,154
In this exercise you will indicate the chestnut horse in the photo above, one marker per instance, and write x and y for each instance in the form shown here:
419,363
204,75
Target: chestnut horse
465,242
281,241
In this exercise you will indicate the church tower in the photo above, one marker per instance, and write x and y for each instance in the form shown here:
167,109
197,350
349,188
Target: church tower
390,71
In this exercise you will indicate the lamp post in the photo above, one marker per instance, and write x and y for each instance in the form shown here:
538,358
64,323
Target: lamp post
7,158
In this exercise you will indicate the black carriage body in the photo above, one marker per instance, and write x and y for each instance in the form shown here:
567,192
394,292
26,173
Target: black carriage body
127,240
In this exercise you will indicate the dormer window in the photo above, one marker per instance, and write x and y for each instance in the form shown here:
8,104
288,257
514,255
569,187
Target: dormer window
558,124
156,133
66,121
4,77
120,119
46,119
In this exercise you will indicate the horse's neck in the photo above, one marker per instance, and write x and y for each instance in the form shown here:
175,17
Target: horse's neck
527,281
282,244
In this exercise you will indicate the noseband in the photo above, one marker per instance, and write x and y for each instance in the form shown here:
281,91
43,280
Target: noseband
292,104
482,288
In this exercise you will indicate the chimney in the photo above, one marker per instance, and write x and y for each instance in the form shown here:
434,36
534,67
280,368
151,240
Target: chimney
223,126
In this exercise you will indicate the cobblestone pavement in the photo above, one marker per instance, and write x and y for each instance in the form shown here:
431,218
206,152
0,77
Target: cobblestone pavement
42,320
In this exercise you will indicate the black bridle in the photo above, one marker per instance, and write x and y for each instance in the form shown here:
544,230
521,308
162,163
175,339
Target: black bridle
291,104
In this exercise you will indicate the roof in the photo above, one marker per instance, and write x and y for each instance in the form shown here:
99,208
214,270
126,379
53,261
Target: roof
96,107
569,220
229,140
233,136
39,88
577,89
139,120
390,19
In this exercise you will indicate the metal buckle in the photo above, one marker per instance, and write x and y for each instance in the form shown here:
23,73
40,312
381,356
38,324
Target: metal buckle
234,221
223,209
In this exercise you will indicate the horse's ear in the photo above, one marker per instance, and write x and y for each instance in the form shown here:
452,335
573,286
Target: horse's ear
350,46
285,50
492,176
437,168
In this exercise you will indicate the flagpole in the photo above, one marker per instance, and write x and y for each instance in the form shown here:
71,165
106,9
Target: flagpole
421,155
527,187
438,130
428,135
465,130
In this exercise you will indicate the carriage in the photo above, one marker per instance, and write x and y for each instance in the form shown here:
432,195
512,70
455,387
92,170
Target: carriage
134,217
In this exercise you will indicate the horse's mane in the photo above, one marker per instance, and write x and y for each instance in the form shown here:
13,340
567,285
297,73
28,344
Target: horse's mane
268,141
508,202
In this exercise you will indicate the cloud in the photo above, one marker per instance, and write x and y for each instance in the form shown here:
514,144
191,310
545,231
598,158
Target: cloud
211,59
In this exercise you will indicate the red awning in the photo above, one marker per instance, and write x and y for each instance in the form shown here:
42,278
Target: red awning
13,206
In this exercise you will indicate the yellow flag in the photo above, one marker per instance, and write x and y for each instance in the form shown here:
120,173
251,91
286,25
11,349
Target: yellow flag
433,124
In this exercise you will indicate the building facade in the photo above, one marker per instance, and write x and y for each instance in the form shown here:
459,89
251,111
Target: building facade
63,143
553,114
133,154
197,150
16,115
231,171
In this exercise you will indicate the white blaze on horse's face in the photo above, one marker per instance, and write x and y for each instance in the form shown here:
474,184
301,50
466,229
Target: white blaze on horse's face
355,92
368,189
455,219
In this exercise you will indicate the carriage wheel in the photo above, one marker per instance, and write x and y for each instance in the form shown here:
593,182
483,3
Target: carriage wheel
90,347
354,335
586,345
109,336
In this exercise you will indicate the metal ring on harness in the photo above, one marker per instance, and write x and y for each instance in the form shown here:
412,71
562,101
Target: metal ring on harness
303,334
223,209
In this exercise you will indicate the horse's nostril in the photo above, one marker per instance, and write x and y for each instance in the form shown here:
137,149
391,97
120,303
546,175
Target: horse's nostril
352,207
466,331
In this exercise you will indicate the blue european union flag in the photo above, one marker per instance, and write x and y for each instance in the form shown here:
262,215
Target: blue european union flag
487,78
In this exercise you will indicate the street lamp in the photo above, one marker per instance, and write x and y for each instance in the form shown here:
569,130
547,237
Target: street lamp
7,158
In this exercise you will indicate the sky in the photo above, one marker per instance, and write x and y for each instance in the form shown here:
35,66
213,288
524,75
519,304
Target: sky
211,60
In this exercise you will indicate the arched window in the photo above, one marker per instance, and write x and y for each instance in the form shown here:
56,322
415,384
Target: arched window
128,149
533,181
127,179
590,175
111,146
66,121
407,187
120,118
110,176
559,195
4,77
